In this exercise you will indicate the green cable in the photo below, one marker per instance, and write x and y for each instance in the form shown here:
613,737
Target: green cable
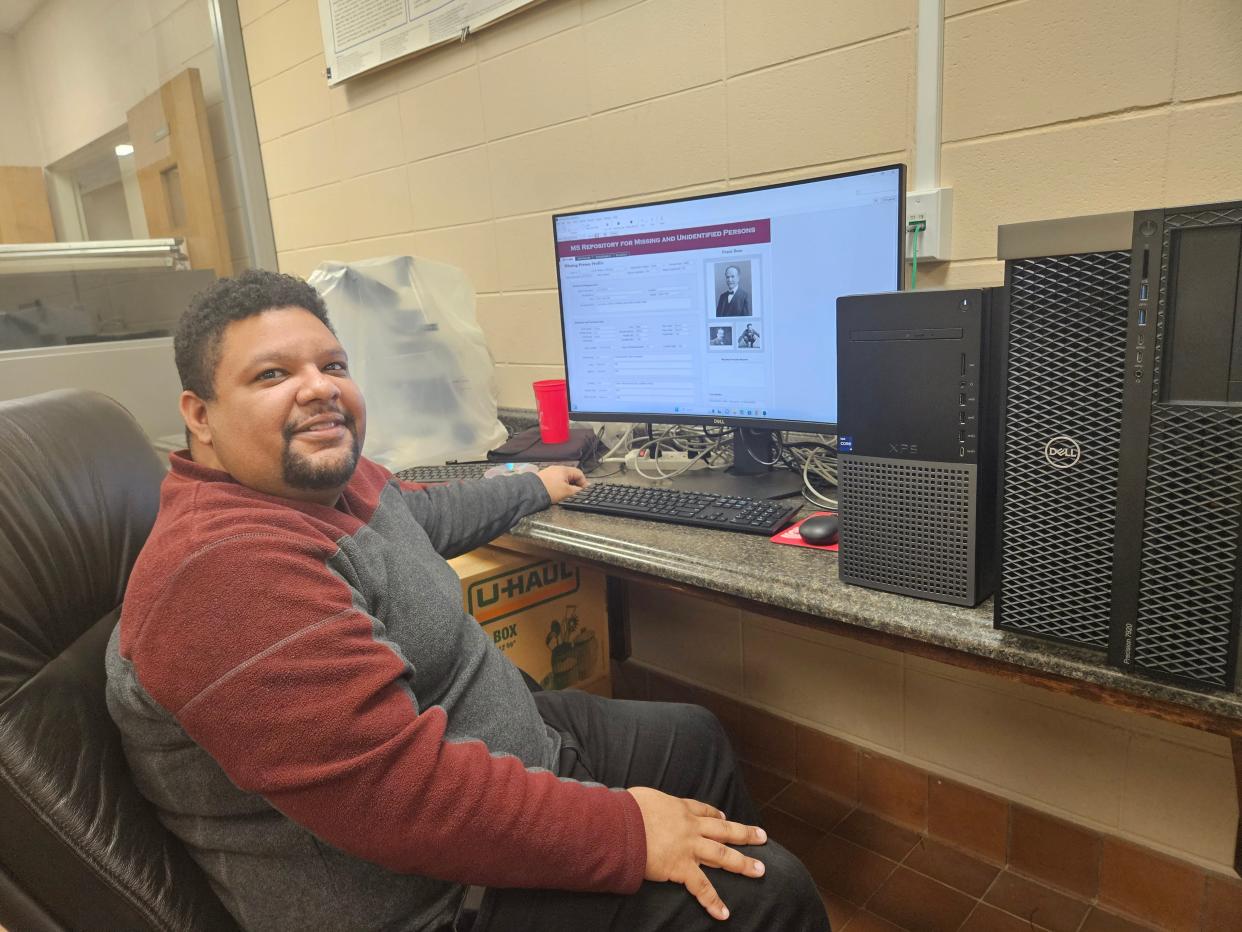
914,272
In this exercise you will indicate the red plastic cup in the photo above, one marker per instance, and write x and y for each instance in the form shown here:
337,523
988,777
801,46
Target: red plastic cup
552,402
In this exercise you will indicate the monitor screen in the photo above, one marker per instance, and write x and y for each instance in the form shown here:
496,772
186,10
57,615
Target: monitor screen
722,308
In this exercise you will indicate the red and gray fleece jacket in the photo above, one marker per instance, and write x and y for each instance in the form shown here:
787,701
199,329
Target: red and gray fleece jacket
302,696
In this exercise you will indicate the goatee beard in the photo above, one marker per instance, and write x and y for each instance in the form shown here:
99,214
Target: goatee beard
301,473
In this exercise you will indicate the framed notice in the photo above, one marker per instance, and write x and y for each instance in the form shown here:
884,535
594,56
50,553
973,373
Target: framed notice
359,35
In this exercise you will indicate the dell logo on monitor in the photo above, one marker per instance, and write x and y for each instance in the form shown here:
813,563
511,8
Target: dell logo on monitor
1062,452
719,420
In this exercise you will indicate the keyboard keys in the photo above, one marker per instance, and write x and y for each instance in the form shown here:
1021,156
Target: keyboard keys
697,509
451,472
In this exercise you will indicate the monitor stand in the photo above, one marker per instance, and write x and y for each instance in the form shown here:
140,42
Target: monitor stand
748,477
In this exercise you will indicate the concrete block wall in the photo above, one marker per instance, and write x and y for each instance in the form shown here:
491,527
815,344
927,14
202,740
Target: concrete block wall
1051,108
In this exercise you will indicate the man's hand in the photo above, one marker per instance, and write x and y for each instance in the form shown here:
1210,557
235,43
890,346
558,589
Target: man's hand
683,834
562,481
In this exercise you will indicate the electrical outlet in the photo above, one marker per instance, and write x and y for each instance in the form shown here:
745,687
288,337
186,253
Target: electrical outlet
935,210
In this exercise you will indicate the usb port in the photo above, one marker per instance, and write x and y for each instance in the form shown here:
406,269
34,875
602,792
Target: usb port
961,436
1143,291
961,417
961,400
1142,317
961,451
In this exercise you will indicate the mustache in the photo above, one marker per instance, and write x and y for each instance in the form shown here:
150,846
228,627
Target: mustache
292,428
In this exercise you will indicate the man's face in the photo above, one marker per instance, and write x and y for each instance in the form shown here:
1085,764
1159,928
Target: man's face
731,279
287,418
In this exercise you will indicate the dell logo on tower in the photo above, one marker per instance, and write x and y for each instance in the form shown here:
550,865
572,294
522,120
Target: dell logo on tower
1062,452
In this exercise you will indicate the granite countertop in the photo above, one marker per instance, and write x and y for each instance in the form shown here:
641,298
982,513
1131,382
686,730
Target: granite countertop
806,581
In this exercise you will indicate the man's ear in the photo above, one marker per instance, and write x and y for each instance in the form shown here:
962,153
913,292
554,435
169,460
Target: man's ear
194,413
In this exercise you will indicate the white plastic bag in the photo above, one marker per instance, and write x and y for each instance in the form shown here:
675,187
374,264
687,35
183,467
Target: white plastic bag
418,354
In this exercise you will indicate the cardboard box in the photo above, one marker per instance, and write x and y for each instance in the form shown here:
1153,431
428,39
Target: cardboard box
547,614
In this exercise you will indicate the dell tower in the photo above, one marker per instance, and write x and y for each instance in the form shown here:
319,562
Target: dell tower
1068,284
918,374
1178,547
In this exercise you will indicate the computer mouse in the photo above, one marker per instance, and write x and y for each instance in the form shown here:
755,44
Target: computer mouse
509,469
820,530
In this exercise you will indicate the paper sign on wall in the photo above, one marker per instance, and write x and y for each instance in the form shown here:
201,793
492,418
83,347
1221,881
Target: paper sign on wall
359,35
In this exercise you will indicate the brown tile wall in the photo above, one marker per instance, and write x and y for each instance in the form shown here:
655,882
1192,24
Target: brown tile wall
893,845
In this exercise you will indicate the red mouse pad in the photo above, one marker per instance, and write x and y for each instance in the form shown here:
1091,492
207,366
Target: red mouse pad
791,536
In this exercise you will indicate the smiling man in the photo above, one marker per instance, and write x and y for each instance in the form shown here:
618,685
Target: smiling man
303,698
249,401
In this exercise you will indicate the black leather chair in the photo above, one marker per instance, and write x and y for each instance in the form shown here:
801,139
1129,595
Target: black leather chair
79,847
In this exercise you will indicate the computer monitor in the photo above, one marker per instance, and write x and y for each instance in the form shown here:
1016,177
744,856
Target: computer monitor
721,309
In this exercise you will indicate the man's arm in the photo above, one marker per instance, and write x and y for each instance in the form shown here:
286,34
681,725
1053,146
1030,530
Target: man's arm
265,659
459,516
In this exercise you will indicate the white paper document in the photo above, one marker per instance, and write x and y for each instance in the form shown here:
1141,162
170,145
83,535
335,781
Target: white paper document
359,35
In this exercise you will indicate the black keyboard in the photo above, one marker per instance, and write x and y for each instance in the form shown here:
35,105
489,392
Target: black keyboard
454,471
724,513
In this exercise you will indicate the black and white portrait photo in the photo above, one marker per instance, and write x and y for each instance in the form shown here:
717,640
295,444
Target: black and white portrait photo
733,288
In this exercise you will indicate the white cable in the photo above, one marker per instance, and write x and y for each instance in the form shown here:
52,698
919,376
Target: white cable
625,438
808,490
692,441
661,474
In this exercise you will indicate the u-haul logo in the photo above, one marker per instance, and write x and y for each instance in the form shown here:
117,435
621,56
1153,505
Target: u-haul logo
515,590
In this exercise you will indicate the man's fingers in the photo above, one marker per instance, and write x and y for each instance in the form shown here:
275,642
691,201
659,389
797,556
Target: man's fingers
733,833
715,854
703,809
702,890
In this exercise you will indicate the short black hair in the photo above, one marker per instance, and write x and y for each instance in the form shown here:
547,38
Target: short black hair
200,331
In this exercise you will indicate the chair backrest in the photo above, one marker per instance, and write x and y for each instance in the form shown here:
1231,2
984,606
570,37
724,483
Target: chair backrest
79,846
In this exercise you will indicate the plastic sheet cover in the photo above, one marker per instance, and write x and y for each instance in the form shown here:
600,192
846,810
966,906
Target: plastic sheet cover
419,356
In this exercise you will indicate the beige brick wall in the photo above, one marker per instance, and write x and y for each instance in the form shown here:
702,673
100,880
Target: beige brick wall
1157,784
1051,108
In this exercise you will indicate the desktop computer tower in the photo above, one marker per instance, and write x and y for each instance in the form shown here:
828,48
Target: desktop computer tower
1121,485
918,375
1177,576
1068,288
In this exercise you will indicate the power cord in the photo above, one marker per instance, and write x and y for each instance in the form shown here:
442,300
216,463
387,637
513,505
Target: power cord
696,444
780,447
816,461
916,228
627,437
712,447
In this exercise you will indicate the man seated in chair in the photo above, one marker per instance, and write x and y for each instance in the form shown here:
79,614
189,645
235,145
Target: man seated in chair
309,707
